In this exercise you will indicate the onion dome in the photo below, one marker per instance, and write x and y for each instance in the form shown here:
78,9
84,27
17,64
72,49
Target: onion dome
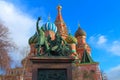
50,26
80,32
33,39
70,39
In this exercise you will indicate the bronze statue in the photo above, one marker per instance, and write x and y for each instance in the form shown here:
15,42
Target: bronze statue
47,47
42,42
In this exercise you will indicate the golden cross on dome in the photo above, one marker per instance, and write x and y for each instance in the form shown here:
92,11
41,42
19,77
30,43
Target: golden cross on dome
49,17
78,24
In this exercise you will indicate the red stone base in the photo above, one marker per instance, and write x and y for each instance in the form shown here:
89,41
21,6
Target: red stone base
51,63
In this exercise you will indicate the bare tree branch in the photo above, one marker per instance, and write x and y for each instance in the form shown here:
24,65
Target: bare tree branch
5,46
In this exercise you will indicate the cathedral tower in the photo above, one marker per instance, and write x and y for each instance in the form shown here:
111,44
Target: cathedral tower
61,26
81,39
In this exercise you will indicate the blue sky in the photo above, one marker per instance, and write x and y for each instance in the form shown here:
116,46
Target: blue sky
99,18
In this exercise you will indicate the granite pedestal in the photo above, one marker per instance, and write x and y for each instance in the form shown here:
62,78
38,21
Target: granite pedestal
51,68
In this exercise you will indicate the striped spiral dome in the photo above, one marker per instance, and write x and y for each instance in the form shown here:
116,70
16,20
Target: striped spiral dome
50,26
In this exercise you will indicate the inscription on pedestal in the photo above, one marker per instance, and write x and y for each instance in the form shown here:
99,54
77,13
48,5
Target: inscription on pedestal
52,74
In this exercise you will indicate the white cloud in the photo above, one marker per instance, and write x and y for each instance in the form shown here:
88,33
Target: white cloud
101,42
20,24
114,73
98,40
115,48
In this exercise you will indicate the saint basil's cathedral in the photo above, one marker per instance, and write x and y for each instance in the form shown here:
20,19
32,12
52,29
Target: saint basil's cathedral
83,67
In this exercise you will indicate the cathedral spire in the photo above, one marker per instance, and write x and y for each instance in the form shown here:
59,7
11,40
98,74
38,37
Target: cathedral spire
62,29
59,16
86,58
59,9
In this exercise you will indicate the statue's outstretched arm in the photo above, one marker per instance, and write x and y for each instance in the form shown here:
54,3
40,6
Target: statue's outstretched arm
37,24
